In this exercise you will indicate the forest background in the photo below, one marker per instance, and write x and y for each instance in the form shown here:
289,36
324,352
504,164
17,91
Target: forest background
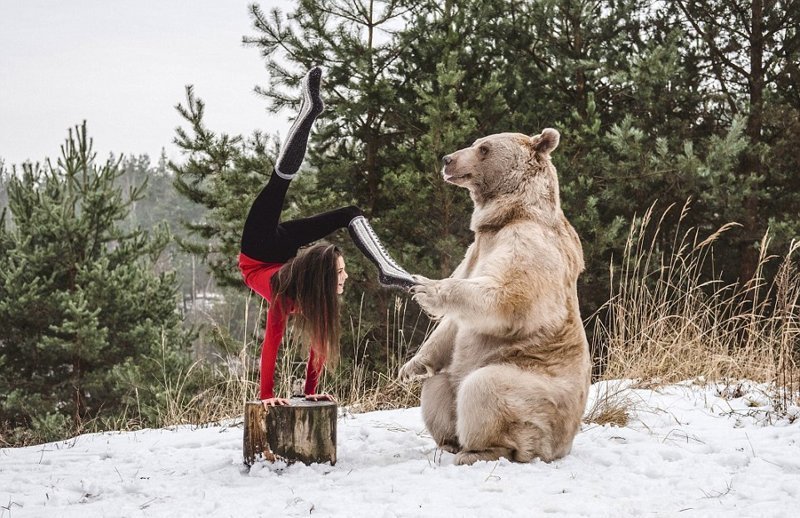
120,301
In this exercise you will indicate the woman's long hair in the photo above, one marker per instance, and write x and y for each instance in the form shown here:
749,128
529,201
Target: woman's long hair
309,281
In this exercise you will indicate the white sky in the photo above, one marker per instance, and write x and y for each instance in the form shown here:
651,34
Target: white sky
123,66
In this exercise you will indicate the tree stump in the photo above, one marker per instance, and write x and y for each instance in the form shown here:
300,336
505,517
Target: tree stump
304,431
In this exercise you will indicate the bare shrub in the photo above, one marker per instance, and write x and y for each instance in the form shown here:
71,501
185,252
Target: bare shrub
612,404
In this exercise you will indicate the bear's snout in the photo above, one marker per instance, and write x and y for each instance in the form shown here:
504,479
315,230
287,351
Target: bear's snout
448,164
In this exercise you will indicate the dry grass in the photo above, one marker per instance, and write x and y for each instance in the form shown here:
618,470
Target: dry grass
669,320
354,383
364,389
613,405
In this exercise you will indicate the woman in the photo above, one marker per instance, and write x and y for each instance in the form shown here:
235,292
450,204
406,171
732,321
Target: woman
306,284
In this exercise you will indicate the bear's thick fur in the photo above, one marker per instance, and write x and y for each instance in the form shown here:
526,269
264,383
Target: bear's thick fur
507,367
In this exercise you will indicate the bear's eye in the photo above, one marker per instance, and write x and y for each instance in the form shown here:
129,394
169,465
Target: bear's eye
483,150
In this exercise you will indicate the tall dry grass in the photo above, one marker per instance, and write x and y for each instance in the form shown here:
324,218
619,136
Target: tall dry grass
670,317
358,382
361,387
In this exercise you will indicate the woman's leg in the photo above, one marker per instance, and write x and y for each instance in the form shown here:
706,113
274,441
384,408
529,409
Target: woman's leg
289,236
307,230
294,149
261,229
265,239
389,272
262,236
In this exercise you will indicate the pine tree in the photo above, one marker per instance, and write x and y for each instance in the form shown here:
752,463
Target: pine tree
352,41
752,48
223,174
87,324
448,99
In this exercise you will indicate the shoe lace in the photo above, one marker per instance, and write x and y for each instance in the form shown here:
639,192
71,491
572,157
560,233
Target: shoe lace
385,254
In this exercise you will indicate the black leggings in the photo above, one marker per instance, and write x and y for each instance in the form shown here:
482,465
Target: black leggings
267,240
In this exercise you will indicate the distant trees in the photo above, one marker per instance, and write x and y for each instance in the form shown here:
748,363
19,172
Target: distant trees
3,188
88,329
162,205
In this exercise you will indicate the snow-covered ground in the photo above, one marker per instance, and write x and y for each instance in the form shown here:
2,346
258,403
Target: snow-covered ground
687,452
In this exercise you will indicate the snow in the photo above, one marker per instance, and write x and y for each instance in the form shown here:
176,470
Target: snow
689,450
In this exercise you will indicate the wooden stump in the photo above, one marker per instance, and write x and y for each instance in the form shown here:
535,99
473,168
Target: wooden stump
304,431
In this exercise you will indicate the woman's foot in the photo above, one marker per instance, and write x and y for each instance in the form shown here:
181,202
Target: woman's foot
294,148
390,273
311,94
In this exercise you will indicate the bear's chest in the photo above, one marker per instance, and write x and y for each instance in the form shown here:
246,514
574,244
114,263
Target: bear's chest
477,257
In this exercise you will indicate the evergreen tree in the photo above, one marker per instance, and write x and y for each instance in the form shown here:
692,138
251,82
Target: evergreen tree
352,41
355,144
88,327
222,173
351,149
752,48
525,66
456,71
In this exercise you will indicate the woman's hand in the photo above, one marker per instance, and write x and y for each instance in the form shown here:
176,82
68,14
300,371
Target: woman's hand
320,397
275,401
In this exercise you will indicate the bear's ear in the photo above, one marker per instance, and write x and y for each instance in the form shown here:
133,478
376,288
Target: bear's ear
546,142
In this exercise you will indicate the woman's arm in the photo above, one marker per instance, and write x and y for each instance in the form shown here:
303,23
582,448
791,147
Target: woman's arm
313,372
276,323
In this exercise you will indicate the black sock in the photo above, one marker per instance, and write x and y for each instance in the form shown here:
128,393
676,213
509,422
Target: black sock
294,149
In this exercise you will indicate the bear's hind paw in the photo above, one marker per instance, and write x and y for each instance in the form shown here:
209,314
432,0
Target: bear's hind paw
450,448
467,457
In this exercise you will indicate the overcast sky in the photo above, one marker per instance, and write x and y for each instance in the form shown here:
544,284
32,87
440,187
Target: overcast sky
122,66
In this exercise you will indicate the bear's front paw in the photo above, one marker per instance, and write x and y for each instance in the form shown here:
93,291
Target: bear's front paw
427,294
414,369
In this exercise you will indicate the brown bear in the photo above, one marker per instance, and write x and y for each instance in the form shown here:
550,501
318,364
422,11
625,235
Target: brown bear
507,368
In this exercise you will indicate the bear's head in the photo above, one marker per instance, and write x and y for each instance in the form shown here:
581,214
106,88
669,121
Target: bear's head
507,165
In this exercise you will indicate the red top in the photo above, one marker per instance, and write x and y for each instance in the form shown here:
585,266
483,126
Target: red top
257,275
